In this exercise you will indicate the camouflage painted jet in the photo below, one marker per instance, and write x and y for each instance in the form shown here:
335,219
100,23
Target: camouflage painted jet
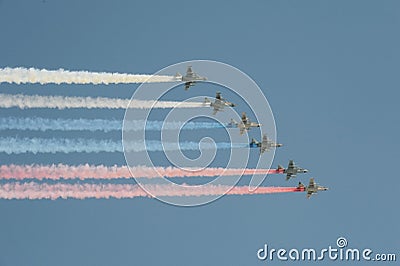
190,78
292,170
312,188
265,145
219,103
245,124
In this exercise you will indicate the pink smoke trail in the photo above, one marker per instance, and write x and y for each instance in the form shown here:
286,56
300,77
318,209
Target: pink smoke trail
86,171
34,190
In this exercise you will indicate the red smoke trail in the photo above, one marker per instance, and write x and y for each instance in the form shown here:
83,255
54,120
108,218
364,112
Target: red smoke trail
86,171
34,190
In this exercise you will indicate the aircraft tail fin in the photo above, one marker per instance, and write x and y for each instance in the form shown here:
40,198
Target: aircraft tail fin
253,142
178,75
280,167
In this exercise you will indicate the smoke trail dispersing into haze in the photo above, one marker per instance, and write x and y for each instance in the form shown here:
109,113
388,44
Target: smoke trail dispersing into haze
11,145
31,75
65,102
86,171
44,124
34,190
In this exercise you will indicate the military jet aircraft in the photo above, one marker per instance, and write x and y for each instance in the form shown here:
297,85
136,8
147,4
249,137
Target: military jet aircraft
245,124
292,170
265,145
312,188
219,103
190,78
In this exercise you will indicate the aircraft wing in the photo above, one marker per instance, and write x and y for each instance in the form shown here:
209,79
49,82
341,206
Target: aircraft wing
189,72
291,164
265,138
312,183
264,146
309,193
215,110
242,128
290,175
245,120
263,149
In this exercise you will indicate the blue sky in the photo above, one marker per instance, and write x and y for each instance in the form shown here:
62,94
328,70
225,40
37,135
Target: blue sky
329,70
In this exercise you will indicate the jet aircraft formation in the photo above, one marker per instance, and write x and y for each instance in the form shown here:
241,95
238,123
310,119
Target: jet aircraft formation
246,124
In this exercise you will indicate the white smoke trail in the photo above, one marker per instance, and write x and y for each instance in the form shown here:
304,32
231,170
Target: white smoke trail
102,172
12,145
44,124
33,190
64,102
32,75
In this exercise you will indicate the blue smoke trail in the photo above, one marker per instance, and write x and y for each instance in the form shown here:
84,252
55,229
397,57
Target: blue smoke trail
45,124
12,145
